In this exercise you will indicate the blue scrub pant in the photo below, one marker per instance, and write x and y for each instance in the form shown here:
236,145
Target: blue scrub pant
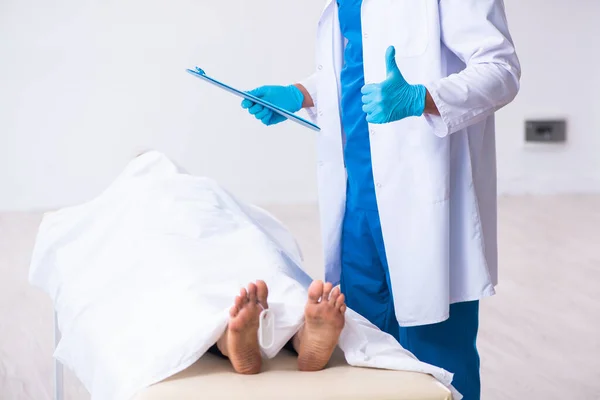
365,282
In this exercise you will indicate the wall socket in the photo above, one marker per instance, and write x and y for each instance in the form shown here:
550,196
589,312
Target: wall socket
546,131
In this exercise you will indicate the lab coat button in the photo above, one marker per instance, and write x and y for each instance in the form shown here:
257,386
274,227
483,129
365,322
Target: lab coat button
320,67
321,163
379,185
366,35
320,113
372,132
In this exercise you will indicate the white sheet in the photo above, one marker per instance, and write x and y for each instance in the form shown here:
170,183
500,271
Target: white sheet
142,278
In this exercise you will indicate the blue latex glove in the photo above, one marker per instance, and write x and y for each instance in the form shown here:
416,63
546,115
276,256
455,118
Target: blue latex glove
289,98
393,99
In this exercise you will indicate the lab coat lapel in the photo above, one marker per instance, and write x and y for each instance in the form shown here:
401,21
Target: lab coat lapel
337,48
326,9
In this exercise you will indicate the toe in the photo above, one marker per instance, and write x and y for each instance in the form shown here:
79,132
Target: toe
335,294
326,291
239,302
315,291
243,296
237,305
343,309
233,311
262,293
252,295
339,302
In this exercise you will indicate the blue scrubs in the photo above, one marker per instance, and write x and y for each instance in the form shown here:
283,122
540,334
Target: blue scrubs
365,278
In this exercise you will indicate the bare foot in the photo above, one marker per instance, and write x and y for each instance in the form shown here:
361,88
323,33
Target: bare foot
324,320
240,342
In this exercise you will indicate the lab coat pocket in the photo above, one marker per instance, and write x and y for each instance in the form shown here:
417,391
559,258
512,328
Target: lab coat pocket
407,27
429,167
426,184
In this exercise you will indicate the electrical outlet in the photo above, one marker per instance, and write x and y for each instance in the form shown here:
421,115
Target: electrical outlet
548,131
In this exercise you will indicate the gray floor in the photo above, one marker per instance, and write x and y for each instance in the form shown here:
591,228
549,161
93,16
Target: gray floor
540,336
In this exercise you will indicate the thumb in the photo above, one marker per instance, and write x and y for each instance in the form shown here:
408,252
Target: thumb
390,62
258,92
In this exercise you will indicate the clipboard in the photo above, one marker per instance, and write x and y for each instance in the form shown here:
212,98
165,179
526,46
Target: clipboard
199,73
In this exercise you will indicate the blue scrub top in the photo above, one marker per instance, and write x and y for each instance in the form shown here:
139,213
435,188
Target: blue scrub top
357,149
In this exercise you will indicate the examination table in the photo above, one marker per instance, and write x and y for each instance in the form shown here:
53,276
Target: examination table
213,378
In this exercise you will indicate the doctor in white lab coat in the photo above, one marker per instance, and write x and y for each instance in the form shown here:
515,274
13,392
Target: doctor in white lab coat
405,93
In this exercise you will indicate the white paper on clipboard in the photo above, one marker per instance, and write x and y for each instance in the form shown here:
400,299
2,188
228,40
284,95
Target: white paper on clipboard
198,72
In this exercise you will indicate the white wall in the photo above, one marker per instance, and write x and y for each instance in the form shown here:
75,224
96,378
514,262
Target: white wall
557,43
83,85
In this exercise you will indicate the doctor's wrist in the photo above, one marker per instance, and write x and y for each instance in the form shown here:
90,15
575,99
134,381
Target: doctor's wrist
307,101
430,106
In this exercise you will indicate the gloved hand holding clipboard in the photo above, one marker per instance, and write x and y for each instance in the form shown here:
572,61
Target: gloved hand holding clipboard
199,73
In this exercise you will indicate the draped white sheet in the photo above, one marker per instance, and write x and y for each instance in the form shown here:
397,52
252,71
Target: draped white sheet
143,276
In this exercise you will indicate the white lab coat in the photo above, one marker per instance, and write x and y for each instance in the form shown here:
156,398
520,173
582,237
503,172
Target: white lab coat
435,176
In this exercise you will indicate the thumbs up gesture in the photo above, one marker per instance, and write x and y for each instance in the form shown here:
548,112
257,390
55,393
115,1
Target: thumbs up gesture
394,98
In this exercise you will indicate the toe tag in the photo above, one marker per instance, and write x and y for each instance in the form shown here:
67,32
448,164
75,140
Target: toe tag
266,329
